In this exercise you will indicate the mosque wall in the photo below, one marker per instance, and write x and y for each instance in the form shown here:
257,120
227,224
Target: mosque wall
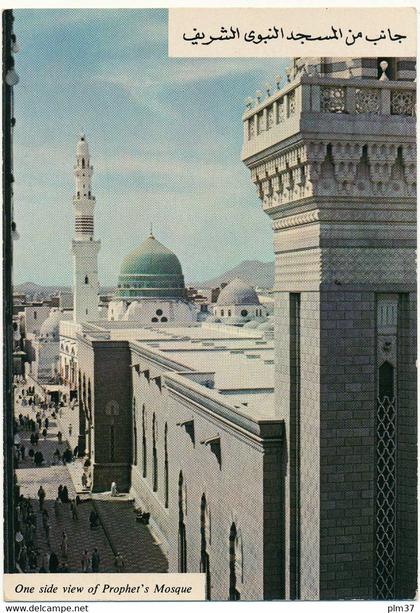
201,509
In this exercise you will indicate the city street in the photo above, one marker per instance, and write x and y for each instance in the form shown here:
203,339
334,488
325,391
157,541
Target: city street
117,531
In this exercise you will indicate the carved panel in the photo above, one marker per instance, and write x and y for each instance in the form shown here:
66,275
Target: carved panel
403,103
333,99
368,101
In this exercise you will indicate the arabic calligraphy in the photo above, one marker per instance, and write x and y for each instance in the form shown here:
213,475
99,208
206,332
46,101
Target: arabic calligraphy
274,33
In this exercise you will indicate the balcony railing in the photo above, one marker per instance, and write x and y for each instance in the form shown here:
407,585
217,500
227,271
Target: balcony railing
277,117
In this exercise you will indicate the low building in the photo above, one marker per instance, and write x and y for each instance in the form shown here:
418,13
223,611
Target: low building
183,419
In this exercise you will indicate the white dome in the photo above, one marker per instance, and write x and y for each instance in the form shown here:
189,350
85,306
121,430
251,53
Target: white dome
50,327
237,293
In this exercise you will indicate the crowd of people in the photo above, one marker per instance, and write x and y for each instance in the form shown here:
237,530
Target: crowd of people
35,551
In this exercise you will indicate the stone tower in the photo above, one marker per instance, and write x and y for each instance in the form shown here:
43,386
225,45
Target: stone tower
84,248
332,154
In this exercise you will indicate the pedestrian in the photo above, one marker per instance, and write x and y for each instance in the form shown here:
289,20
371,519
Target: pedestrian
44,434
70,429
45,562
84,481
73,509
22,452
57,507
93,519
64,544
41,497
23,558
47,423
32,559
45,517
119,562
32,439
65,495
60,492
95,561
60,437
85,561
47,528
53,562
38,458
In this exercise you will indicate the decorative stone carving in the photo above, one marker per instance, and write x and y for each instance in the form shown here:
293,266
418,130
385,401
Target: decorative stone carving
381,158
346,157
333,99
280,111
270,117
296,220
292,103
305,170
403,103
367,100
409,164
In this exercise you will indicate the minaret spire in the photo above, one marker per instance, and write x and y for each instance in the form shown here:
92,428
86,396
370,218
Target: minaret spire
85,248
151,231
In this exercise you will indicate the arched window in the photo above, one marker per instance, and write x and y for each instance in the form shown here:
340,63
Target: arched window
86,280
229,313
204,557
155,460
182,535
89,398
83,162
166,468
244,312
134,433
234,593
159,312
144,442
154,319
222,312
163,319
84,390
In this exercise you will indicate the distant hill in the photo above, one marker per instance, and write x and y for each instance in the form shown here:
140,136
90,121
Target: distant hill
33,288
255,273
29,288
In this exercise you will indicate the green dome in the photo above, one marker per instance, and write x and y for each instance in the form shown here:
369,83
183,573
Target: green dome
152,270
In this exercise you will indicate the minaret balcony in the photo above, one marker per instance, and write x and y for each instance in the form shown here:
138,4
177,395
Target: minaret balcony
321,105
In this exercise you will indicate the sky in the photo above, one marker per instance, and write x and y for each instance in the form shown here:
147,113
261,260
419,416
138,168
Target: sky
165,137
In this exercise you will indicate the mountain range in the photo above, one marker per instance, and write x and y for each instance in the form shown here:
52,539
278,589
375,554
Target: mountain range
254,272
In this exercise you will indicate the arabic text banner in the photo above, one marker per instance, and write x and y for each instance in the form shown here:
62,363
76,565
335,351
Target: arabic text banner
313,32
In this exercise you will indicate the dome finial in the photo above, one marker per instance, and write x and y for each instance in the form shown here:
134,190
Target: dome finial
82,135
151,231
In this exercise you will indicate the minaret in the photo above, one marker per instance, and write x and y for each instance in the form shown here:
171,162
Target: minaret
84,248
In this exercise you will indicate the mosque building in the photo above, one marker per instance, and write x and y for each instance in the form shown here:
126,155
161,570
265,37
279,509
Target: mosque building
170,406
273,461
151,287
